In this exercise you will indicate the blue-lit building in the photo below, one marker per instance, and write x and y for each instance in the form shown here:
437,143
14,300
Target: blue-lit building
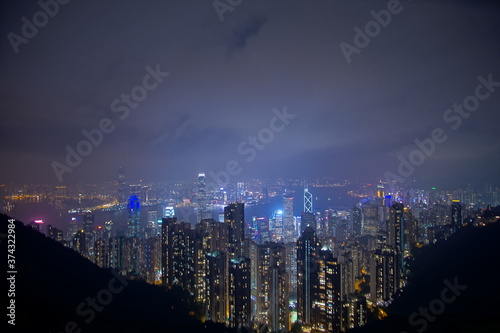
134,216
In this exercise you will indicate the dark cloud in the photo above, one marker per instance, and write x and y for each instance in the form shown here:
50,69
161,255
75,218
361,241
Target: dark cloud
352,120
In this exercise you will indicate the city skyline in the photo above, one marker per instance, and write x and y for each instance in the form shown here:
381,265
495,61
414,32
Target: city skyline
250,165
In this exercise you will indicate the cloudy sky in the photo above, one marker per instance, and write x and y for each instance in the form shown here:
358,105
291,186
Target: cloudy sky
351,119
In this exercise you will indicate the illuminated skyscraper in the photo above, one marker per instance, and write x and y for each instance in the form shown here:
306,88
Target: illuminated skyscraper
456,214
151,226
263,230
308,248
289,228
326,306
88,228
307,220
239,292
308,200
240,191
134,216
72,228
217,287
277,226
357,221
166,250
272,287
370,219
122,186
234,217
202,199
384,272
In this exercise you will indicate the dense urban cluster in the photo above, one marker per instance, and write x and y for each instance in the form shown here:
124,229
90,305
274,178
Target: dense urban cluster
321,269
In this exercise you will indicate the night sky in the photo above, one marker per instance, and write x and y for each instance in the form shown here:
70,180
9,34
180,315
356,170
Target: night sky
350,120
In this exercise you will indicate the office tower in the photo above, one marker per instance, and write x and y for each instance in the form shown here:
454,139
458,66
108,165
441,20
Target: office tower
202,198
264,234
217,287
134,216
234,217
183,256
395,227
88,228
166,250
88,222
291,268
151,225
370,219
380,191
239,292
100,252
384,275
169,211
78,243
289,228
151,259
357,221
308,200
240,191
326,304
72,228
308,247
122,186
272,287
307,220
108,225
456,214
178,254
277,226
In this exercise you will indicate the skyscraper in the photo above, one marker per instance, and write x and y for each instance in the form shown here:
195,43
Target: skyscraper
326,305
308,200
234,217
456,214
134,216
307,220
308,247
277,226
122,186
239,292
289,228
357,221
88,228
202,199
272,287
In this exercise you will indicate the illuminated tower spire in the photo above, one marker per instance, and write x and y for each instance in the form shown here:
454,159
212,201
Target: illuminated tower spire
308,203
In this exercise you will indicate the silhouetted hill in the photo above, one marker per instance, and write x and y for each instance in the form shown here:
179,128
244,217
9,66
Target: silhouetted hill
54,286
470,258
